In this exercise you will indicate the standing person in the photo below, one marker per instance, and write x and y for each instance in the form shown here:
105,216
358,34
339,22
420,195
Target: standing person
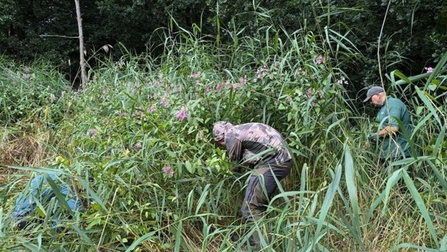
394,124
261,146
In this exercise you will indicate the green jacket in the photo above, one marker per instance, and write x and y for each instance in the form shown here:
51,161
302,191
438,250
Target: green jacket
395,113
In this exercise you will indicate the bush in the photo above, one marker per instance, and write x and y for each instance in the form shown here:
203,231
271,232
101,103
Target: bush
31,92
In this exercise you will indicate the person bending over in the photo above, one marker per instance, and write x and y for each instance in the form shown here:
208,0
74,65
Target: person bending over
260,146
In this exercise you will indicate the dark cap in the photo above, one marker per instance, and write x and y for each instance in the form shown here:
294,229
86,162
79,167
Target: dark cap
372,91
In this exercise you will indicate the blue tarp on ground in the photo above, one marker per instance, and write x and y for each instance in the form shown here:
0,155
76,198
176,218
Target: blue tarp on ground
40,190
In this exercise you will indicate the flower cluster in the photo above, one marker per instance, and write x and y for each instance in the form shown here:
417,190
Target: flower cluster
429,69
92,133
168,171
196,75
243,80
309,93
181,114
151,109
319,59
300,71
261,73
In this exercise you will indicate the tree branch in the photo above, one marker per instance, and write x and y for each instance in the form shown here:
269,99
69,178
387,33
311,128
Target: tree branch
81,45
57,36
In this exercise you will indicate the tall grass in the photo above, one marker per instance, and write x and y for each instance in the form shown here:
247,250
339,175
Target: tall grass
136,144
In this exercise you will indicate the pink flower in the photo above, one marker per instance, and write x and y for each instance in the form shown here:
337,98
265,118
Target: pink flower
92,133
181,114
138,145
243,80
168,171
300,71
309,93
219,86
319,59
429,69
261,73
196,75
235,86
151,109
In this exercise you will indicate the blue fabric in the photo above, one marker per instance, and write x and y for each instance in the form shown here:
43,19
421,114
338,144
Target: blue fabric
39,189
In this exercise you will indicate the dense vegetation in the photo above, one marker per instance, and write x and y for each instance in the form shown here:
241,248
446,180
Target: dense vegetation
411,39
136,145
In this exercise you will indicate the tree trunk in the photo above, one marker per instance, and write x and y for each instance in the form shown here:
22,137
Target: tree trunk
81,45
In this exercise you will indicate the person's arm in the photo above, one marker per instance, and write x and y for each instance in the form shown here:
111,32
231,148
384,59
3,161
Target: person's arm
392,127
234,148
234,151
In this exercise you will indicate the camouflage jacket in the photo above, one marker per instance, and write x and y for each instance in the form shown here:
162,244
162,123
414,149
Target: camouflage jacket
256,142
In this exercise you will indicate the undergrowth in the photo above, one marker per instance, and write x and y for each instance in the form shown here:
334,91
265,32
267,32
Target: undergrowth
135,144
